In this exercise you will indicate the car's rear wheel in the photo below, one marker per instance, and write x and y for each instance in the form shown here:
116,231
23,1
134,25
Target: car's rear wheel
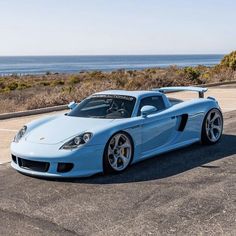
212,127
118,153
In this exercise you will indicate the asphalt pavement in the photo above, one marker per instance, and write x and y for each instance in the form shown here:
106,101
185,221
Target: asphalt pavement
191,191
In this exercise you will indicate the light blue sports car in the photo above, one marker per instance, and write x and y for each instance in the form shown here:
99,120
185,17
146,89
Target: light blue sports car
110,130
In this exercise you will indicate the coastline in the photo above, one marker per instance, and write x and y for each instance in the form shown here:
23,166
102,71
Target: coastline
40,65
29,92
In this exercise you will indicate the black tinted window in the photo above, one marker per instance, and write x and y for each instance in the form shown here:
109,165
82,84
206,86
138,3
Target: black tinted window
156,101
105,106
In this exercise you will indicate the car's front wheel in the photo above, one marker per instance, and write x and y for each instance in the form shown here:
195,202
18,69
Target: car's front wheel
118,153
212,127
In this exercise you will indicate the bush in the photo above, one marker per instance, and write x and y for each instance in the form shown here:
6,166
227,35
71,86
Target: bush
12,86
192,73
22,86
2,85
74,79
57,82
67,89
229,61
96,74
120,82
135,83
44,83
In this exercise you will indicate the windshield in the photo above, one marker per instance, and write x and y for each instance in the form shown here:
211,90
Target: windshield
105,106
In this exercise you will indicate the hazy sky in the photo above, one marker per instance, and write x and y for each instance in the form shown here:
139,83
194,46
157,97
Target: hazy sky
64,27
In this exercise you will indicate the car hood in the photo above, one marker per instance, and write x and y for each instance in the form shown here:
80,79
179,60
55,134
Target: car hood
62,128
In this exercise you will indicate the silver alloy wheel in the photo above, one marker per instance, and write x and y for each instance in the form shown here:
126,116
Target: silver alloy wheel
214,125
119,151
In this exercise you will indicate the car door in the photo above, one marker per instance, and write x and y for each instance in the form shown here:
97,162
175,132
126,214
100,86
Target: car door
158,130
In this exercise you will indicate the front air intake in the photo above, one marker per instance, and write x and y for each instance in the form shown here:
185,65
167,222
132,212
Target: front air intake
39,166
64,167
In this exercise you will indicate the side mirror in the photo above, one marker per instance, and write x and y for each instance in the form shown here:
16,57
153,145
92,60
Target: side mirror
72,105
147,110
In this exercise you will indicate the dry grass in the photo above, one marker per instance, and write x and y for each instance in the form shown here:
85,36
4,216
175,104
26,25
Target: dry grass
30,92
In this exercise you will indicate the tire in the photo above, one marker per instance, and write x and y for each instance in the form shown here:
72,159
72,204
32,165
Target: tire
118,153
212,127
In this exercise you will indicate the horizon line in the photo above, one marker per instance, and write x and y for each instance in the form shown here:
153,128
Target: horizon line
71,55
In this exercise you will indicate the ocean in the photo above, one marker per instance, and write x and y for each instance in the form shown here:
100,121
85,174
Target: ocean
71,64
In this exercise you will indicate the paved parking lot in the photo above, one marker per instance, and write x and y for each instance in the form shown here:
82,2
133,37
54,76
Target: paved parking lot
186,192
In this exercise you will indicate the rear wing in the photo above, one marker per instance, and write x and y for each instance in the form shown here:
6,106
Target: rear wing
199,90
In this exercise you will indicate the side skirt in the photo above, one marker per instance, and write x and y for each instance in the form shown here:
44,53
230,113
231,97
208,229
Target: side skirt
162,150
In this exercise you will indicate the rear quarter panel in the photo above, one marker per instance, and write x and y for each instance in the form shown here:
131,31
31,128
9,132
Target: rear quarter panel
196,110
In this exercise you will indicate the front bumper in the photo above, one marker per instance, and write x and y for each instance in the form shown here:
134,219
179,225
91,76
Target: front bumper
86,161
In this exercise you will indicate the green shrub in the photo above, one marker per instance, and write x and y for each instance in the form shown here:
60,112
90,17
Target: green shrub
192,73
22,86
57,82
74,79
5,90
44,83
12,86
229,61
2,85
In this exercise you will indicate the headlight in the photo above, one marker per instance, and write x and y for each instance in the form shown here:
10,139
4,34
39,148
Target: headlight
20,134
77,141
